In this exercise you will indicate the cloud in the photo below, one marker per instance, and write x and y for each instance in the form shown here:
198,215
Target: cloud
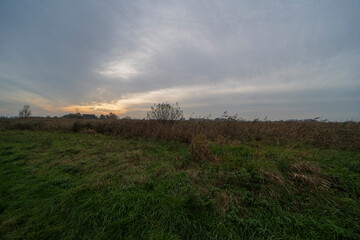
122,56
296,79
120,69
25,97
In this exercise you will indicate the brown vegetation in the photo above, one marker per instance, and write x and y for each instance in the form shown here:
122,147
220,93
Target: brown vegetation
306,173
299,176
343,136
200,149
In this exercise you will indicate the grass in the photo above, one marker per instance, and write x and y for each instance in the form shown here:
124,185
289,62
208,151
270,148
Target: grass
56,185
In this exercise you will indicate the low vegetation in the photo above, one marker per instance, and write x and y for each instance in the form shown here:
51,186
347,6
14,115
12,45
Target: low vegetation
342,136
144,179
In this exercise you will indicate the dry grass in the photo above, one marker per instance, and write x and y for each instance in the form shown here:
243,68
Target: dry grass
305,167
342,136
306,173
200,149
273,177
311,180
299,175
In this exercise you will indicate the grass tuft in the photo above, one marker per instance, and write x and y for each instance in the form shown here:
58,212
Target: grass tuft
200,149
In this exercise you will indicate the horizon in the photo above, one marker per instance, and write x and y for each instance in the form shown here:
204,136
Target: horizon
235,117
279,60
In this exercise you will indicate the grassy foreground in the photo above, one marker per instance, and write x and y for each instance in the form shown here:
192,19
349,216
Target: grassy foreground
91,186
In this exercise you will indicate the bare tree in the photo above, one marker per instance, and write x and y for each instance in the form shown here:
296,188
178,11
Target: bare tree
25,112
165,111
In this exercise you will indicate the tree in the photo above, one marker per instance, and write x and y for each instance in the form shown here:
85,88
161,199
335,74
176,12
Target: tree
109,116
25,112
112,116
165,111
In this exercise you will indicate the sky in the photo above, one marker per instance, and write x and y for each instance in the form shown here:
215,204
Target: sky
274,59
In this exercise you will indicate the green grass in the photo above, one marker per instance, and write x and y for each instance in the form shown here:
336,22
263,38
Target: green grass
91,186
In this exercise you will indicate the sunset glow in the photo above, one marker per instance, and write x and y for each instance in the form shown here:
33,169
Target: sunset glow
292,59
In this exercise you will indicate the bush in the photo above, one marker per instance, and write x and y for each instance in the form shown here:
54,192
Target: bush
165,111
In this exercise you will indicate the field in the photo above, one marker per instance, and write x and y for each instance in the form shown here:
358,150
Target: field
134,179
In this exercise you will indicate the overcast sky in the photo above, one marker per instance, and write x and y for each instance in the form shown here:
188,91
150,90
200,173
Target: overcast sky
280,59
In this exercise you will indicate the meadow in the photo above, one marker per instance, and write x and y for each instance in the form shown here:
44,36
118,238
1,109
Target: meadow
141,179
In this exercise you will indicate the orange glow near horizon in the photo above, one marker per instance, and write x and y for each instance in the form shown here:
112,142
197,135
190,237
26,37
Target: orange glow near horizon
93,109
143,100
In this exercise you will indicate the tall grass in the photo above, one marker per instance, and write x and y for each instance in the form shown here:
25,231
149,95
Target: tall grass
342,136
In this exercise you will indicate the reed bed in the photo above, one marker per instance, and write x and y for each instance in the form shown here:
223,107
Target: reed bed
342,136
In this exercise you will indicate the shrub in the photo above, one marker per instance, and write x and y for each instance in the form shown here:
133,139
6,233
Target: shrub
165,111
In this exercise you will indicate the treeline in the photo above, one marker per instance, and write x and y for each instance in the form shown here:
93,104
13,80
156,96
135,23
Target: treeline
344,136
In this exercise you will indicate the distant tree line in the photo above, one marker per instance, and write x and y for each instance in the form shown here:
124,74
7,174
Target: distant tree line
90,116
167,112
